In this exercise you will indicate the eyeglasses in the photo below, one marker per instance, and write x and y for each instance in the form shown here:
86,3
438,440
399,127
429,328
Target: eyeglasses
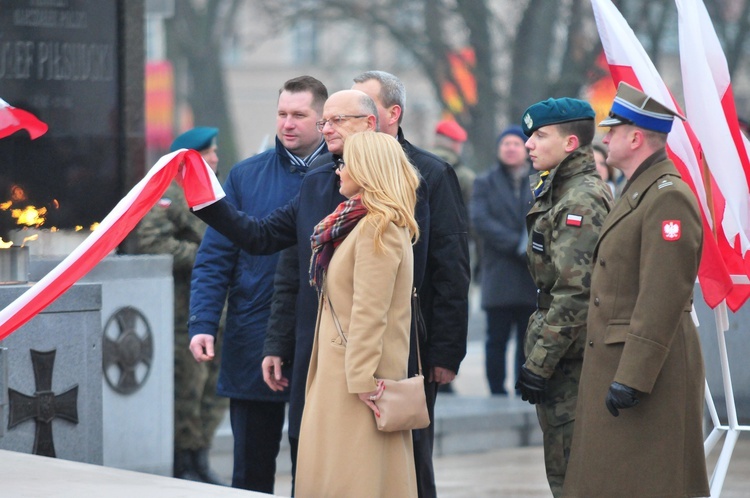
337,120
339,164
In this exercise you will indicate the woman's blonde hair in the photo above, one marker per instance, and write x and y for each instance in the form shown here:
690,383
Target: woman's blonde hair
377,163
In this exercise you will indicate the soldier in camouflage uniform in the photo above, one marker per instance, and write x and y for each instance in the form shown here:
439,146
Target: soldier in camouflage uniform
169,228
571,202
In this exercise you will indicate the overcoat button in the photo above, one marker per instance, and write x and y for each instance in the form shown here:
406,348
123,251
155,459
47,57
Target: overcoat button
602,262
591,343
596,301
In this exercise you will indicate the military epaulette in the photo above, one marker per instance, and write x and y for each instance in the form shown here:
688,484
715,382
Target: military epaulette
664,183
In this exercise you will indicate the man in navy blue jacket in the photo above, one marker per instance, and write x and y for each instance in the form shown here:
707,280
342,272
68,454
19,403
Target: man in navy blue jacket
441,264
257,186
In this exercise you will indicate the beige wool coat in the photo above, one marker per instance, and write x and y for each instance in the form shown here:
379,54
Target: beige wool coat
640,333
341,452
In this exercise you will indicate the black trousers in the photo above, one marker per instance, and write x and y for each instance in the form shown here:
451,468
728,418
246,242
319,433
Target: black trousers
423,441
501,320
257,429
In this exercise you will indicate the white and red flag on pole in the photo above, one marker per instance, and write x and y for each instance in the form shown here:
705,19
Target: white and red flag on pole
13,119
201,189
709,102
629,62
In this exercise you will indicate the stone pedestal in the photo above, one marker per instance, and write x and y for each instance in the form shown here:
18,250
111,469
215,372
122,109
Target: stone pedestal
738,350
137,349
52,389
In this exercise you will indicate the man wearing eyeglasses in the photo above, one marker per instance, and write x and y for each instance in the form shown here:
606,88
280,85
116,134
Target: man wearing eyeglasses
257,185
441,261
283,228
441,264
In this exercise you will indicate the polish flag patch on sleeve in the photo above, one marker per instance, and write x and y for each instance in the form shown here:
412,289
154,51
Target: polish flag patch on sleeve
574,220
164,202
671,230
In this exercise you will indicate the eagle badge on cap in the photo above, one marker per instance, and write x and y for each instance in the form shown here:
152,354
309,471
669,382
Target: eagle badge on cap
529,122
670,230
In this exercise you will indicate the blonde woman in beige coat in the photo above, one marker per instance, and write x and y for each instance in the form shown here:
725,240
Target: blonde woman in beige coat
362,264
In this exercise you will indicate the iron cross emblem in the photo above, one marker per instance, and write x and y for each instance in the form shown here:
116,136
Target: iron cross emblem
44,406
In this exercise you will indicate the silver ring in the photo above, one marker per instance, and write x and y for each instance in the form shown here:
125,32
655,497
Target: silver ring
373,397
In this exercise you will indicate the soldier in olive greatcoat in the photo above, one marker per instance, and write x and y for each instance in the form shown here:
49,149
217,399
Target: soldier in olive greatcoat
640,405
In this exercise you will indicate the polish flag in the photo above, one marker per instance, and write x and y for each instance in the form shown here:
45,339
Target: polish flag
201,189
709,102
13,119
629,62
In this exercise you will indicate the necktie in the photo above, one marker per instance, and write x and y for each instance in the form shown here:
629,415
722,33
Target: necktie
542,181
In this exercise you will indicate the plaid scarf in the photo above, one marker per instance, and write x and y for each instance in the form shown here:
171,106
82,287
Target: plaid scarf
331,232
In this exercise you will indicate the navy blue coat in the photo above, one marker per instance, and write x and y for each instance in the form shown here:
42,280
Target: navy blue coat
256,186
498,217
441,273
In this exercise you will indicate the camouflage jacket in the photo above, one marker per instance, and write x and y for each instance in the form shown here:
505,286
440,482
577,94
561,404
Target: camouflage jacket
564,225
170,228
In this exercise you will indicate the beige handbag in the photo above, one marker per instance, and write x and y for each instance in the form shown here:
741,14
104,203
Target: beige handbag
402,404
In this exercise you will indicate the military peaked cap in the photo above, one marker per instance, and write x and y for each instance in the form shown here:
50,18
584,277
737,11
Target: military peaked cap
555,111
199,138
632,106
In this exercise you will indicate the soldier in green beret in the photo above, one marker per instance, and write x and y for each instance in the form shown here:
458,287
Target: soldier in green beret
169,228
571,203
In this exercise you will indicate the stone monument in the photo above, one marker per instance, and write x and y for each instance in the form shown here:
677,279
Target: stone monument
52,381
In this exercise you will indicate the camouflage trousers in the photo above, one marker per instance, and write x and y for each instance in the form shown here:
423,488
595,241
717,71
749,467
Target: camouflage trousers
198,411
556,418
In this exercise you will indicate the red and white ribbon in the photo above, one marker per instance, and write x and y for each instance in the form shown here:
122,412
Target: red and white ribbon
201,189
13,119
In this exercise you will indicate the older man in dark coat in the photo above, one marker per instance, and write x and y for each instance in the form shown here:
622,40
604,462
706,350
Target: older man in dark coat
640,405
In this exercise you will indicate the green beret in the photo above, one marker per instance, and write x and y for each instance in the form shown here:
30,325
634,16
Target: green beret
199,138
554,111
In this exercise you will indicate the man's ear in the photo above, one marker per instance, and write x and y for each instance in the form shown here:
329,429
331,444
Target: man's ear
571,143
394,114
372,123
637,138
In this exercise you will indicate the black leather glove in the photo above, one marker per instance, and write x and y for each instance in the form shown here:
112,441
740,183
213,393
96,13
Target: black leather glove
620,396
531,386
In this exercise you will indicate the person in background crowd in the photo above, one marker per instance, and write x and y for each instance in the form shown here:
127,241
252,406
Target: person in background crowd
257,186
449,144
169,229
639,421
571,203
499,204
